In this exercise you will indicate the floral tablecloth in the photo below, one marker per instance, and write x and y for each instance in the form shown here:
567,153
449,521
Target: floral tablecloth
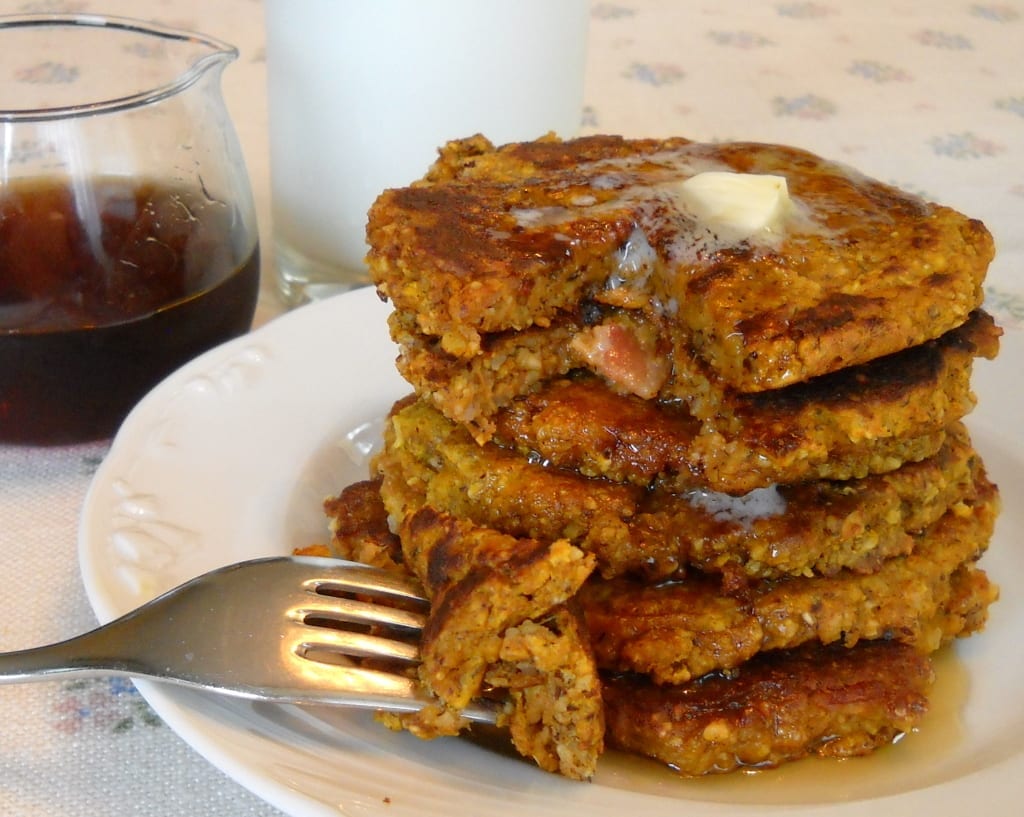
926,94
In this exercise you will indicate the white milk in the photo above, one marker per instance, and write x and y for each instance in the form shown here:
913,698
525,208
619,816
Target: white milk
363,92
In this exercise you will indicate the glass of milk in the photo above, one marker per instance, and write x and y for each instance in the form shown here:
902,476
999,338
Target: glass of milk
362,93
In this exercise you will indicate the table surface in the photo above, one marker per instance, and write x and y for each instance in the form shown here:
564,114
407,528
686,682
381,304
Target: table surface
924,94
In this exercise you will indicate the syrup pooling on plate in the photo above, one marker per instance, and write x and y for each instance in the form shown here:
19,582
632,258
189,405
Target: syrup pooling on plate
924,758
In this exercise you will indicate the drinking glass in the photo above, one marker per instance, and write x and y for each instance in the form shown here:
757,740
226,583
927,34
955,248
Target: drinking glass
362,93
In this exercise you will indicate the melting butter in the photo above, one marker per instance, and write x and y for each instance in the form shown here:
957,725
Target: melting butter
744,510
739,205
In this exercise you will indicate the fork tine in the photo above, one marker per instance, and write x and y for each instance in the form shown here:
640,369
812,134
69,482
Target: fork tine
365,580
327,608
356,645
353,611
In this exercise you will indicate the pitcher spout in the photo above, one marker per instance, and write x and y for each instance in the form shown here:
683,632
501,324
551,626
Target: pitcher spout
151,62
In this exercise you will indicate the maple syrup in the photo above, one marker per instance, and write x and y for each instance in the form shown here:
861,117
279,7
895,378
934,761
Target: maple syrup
106,286
926,757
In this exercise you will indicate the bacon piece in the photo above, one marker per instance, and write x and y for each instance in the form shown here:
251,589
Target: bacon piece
628,361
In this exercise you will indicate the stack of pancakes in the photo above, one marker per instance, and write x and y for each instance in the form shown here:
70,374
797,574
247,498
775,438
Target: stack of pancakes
683,473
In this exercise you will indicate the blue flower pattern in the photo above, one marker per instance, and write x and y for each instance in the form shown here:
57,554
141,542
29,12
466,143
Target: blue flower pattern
995,13
878,72
805,11
655,73
1013,104
943,39
740,39
110,705
805,106
47,73
965,145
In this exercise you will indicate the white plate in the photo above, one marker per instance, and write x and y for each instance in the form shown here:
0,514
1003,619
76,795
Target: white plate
230,459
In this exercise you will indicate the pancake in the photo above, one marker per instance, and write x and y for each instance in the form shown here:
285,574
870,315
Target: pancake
556,712
497,614
799,529
553,709
498,239
779,707
844,417
681,630
861,420
360,530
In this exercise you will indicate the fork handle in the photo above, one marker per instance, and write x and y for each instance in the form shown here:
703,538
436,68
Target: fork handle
76,657
98,653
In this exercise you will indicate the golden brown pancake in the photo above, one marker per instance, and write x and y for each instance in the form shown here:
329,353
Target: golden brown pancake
861,420
497,239
827,419
798,529
681,630
831,702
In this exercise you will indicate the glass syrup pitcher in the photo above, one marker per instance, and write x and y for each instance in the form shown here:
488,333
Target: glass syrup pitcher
128,239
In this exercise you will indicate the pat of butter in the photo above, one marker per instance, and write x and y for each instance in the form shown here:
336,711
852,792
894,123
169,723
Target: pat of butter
742,204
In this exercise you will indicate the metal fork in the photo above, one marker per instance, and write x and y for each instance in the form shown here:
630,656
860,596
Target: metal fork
283,629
